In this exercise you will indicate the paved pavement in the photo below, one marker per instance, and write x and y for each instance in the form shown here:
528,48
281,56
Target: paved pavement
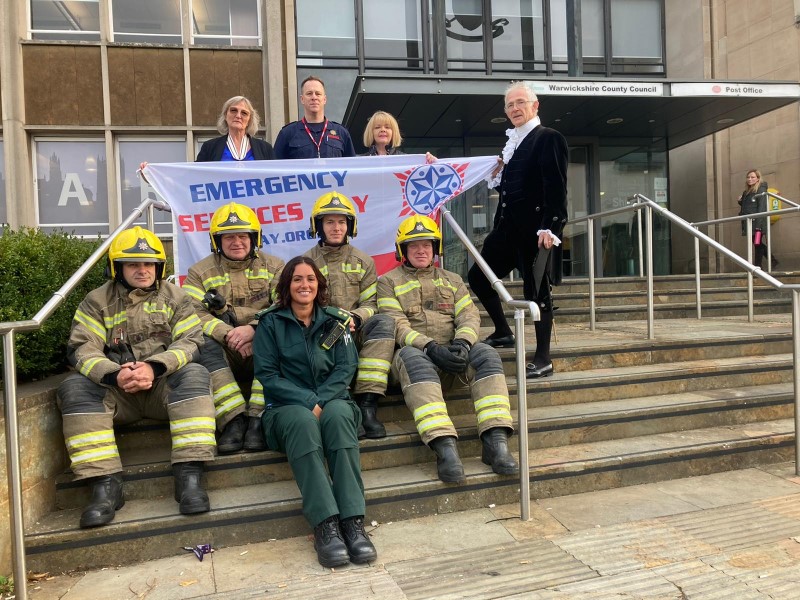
728,535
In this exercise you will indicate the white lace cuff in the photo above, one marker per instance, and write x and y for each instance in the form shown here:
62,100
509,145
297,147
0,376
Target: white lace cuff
556,241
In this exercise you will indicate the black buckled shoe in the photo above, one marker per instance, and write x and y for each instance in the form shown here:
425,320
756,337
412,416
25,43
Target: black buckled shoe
107,498
534,372
328,542
503,341
254,437
359,546
232,437
189,492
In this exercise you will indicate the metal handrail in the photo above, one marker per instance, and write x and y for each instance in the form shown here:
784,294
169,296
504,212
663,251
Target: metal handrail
644,203
522,383
7,330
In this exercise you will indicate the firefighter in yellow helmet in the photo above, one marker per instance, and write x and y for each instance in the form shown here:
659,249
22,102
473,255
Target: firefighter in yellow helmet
131,345
228,288
352,283
437,331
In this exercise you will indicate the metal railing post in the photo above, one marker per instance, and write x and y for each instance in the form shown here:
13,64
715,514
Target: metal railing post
651,330
750,317
697,276
590,242
641,242
519,331
13,465
522,417
796,378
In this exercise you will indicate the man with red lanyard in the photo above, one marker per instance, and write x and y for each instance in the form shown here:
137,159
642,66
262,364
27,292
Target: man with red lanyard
313,136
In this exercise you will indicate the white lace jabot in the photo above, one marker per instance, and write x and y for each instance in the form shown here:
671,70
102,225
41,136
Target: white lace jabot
515,136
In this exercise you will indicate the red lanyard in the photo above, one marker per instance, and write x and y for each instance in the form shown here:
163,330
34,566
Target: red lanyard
321,137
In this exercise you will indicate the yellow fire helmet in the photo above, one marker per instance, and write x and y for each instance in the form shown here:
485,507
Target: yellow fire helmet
235,218
417,227
333,203
136,245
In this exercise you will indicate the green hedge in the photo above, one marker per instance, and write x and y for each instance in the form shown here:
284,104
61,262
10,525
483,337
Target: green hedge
33,265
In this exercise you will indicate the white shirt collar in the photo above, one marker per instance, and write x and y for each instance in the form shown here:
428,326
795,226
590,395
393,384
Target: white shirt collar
525,129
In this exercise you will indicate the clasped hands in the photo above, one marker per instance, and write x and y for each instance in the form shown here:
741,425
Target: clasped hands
240,339
453,358
135,377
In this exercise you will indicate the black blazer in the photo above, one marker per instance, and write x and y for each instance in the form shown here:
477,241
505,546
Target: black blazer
211,151
533,187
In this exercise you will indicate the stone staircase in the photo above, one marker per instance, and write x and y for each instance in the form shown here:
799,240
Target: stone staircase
704,396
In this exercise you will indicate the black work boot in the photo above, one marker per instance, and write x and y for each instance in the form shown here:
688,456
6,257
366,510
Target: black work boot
189,490
359,546
254,438
328,542
448,463
495,452
368,403
107,498
232,437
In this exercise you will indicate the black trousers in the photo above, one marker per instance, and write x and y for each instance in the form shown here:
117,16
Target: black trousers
505,251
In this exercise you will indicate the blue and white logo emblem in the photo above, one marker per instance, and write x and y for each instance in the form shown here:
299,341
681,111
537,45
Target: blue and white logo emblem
430,186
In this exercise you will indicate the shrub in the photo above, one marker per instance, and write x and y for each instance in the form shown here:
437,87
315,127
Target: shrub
33,265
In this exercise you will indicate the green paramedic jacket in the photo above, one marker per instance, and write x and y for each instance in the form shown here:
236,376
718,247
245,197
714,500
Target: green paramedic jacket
292,365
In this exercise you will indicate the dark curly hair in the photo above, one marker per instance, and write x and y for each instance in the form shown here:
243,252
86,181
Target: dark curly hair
283,290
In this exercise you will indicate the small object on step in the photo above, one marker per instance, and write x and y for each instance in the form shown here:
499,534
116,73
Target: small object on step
200,550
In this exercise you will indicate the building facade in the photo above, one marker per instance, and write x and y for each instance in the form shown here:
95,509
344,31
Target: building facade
91,88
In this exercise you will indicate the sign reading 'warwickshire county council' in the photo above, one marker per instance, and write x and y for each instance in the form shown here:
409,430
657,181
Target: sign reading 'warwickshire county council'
384,190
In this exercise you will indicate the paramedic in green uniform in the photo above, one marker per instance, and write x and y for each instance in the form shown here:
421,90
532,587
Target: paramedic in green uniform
306,359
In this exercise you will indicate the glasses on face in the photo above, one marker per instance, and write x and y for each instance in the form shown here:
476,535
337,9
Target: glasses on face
517,104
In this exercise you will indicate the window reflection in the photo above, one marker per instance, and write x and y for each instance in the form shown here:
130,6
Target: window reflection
392,31
133,190
65,20
226,22
72,185
326,31
154,21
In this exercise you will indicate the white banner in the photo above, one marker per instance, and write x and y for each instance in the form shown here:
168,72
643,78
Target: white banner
384,190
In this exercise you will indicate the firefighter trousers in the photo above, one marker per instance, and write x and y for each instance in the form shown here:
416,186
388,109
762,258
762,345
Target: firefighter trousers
375,342
90,411
423,386
233,386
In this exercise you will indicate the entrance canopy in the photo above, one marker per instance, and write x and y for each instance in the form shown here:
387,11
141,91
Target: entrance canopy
447,106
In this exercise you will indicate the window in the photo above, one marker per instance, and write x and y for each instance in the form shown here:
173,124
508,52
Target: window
519,29
226,22
71,185
148,21
637,34
592,35
134,190
325,29
3,207
65,20
463,21
392,31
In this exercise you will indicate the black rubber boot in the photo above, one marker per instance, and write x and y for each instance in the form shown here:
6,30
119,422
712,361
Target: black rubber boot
107,498
189,490
328,542
232,437
359,546
448,463
254,437
368,403
495,452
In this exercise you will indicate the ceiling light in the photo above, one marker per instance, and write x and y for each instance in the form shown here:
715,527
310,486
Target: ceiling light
725,121
498,120
614,121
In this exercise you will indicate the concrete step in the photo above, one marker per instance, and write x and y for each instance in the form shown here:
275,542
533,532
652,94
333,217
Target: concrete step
151,528
148,474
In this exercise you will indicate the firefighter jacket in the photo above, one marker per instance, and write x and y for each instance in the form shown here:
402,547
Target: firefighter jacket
351,278
291,362
428,305
159,325
248,286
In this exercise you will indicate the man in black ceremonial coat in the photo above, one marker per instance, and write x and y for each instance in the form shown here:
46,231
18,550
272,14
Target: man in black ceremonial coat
531,213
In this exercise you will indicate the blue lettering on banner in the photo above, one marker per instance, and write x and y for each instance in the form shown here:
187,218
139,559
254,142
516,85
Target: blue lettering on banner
242,188
288,236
